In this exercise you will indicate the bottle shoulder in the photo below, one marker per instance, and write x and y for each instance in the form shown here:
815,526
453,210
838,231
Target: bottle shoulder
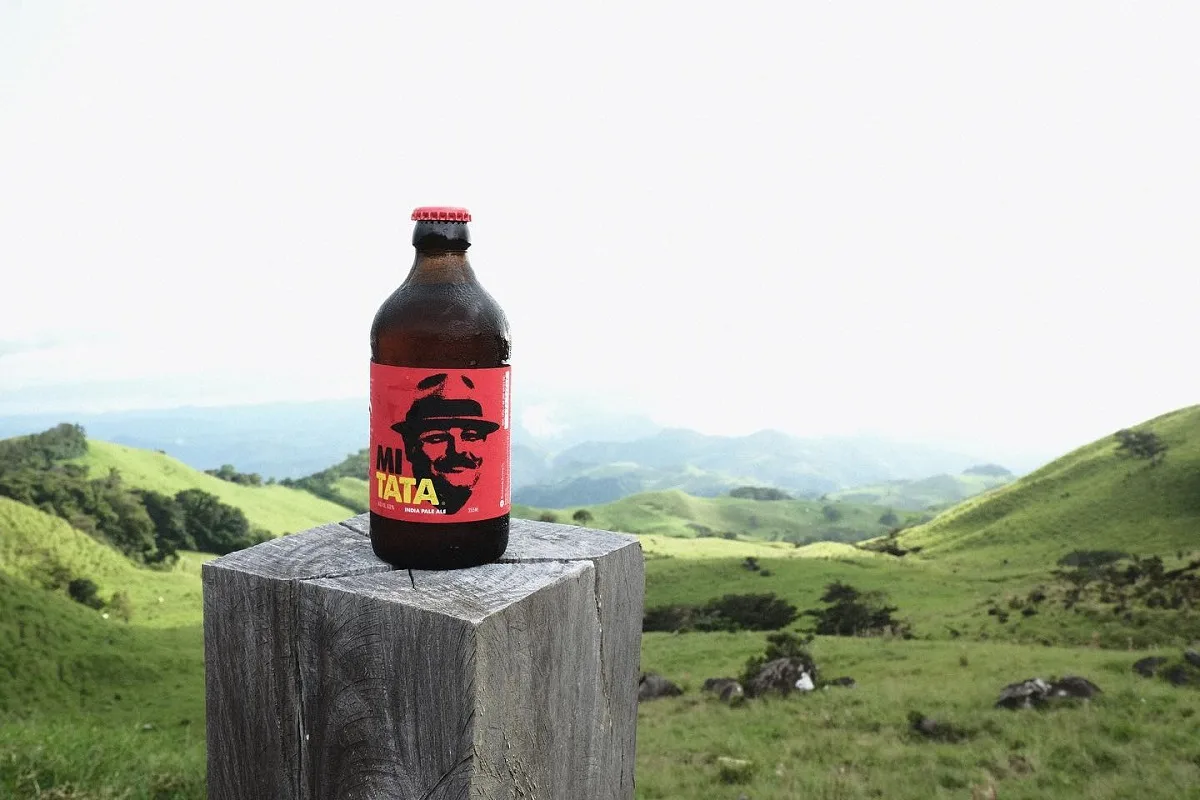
430,324
440,307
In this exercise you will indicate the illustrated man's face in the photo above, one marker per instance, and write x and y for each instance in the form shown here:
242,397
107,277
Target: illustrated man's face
453,454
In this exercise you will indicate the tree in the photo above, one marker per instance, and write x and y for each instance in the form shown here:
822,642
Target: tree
849,612
889,519
1141,444
582,516
170,524
832,513
214,526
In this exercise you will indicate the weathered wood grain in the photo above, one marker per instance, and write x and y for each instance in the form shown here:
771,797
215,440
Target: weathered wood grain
342,678
360,524
251,694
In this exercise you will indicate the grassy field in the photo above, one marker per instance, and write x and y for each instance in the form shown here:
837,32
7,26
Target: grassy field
276,508
674,513
94,707
1138,739
353,490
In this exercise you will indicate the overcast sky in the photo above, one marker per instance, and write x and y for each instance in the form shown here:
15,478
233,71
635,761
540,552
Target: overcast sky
962,221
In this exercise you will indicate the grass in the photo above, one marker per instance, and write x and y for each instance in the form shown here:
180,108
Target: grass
78,691
674,513
1138,739
659,546
278,509
95,707
353,490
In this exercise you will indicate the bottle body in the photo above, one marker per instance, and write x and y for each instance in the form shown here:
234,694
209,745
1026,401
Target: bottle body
440,398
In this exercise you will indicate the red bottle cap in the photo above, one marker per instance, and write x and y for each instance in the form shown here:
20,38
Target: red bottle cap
442,214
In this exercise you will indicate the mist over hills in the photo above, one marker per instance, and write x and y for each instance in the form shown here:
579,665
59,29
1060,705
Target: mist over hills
598,472
564,453
291,440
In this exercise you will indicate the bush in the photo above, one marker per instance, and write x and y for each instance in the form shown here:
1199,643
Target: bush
1091,558
84,590
1141,444
582,516
831,513
779,645
548,516
733,612
121,606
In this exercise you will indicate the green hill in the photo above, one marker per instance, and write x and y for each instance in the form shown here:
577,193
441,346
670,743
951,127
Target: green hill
43,550
1091,499
95,706
932,492
352,493
92,704
278,509
674,513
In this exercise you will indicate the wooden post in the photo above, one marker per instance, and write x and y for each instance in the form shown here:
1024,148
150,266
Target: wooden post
331,675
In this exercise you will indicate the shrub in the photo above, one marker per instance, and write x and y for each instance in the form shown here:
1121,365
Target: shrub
849,612
85,590
733,612
1091,558
1141,444
121,606
548,516
779,645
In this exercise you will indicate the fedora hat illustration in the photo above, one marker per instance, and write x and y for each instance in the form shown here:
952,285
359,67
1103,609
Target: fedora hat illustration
444,401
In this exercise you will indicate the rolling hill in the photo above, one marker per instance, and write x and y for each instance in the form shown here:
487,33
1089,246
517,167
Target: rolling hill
278,509
674,513
102,707
1093,498
937,491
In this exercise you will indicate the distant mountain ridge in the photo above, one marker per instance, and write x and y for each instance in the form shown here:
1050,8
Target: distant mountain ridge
600,472
294,440
563,454
936,491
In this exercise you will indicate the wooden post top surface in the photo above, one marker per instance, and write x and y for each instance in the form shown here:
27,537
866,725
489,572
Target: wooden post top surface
338,557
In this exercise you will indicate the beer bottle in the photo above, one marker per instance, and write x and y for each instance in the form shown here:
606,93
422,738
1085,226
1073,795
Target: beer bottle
440,391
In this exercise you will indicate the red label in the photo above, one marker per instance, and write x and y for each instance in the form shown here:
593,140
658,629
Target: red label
440,443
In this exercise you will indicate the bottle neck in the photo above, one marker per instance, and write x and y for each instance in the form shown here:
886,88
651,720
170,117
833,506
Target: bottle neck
441,266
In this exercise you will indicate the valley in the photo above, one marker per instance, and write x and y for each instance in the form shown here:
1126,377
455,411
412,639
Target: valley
107,701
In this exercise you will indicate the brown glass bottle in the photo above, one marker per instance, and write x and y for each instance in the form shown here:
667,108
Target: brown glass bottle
440,319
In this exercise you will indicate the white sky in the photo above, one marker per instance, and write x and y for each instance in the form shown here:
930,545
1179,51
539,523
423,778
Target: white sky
952,220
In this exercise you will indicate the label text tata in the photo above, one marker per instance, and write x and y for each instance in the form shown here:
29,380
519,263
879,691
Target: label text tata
402,489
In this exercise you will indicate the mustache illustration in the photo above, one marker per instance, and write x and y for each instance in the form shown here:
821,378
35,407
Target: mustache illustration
457,461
